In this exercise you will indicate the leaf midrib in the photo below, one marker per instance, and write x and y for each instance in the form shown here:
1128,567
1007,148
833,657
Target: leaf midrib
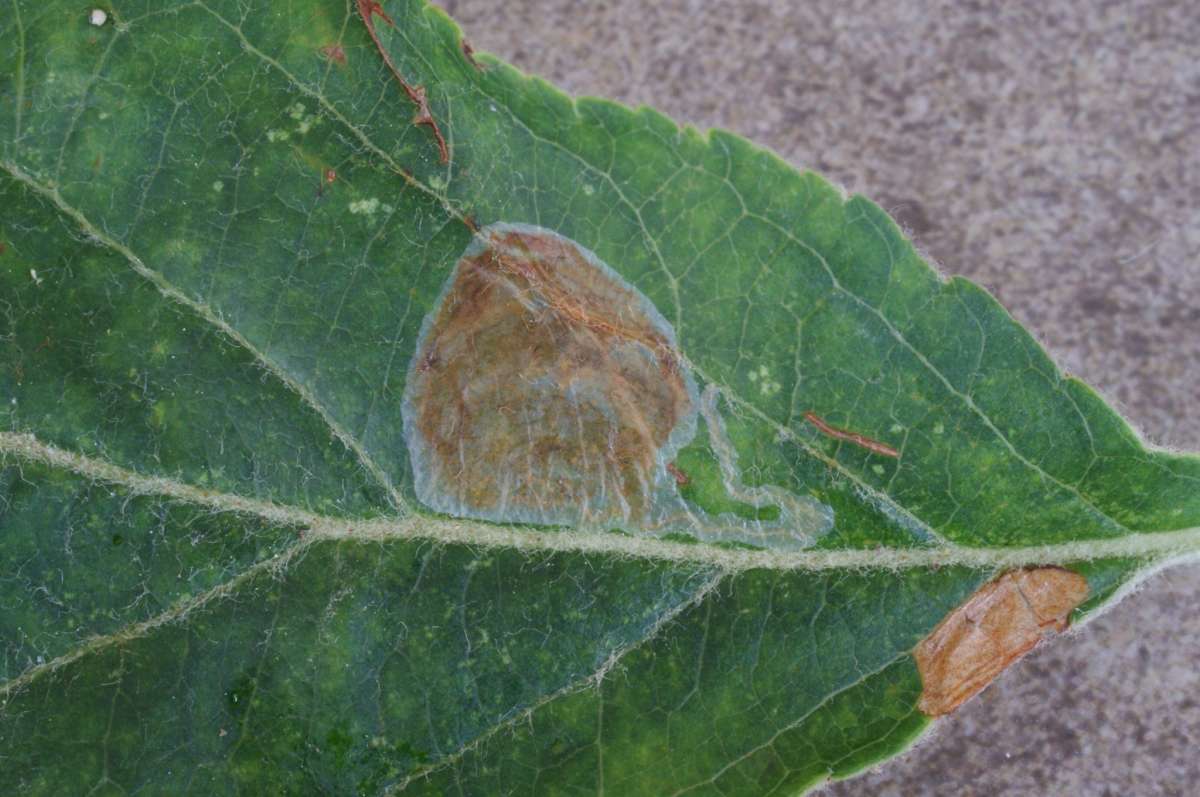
421,526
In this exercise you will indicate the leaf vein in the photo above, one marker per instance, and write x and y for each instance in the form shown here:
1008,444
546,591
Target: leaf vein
132,631
591,680
212,317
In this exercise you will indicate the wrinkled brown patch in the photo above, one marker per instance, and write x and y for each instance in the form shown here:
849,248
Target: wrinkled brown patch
545,389
999,624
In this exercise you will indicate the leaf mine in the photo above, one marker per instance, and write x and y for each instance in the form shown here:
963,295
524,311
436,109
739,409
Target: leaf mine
546,389
999,624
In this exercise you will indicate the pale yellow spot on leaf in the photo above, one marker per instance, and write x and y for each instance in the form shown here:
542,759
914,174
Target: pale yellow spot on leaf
364,207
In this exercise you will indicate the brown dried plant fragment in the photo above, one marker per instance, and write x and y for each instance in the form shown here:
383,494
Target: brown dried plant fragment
999,624
546,389
849,436
469,53
681,478
368,10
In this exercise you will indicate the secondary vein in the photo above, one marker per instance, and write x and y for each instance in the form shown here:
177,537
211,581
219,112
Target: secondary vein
211,316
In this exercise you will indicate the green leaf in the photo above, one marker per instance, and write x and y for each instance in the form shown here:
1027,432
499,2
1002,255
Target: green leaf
727,449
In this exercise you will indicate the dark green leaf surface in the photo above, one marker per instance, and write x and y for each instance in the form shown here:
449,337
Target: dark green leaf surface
220,237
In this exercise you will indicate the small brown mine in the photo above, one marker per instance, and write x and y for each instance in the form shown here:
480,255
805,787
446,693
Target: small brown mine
469,53
681,478
545,389
335,53
999,624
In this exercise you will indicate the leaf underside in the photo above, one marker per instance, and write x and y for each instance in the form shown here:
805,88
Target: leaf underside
222,236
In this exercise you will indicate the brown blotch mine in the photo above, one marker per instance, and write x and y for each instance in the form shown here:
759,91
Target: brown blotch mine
545,389
999,624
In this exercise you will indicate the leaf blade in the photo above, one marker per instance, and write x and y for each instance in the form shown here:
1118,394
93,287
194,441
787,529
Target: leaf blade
279,314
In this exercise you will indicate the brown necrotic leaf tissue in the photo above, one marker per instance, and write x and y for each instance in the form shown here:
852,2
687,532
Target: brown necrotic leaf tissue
1001,622
545,389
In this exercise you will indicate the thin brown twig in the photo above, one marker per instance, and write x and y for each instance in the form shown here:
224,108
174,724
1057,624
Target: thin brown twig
368,9
850,437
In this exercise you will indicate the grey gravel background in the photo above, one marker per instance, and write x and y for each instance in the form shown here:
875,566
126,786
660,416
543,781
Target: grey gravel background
1049,150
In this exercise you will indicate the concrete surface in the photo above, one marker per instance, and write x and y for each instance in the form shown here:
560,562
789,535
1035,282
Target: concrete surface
1048,149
